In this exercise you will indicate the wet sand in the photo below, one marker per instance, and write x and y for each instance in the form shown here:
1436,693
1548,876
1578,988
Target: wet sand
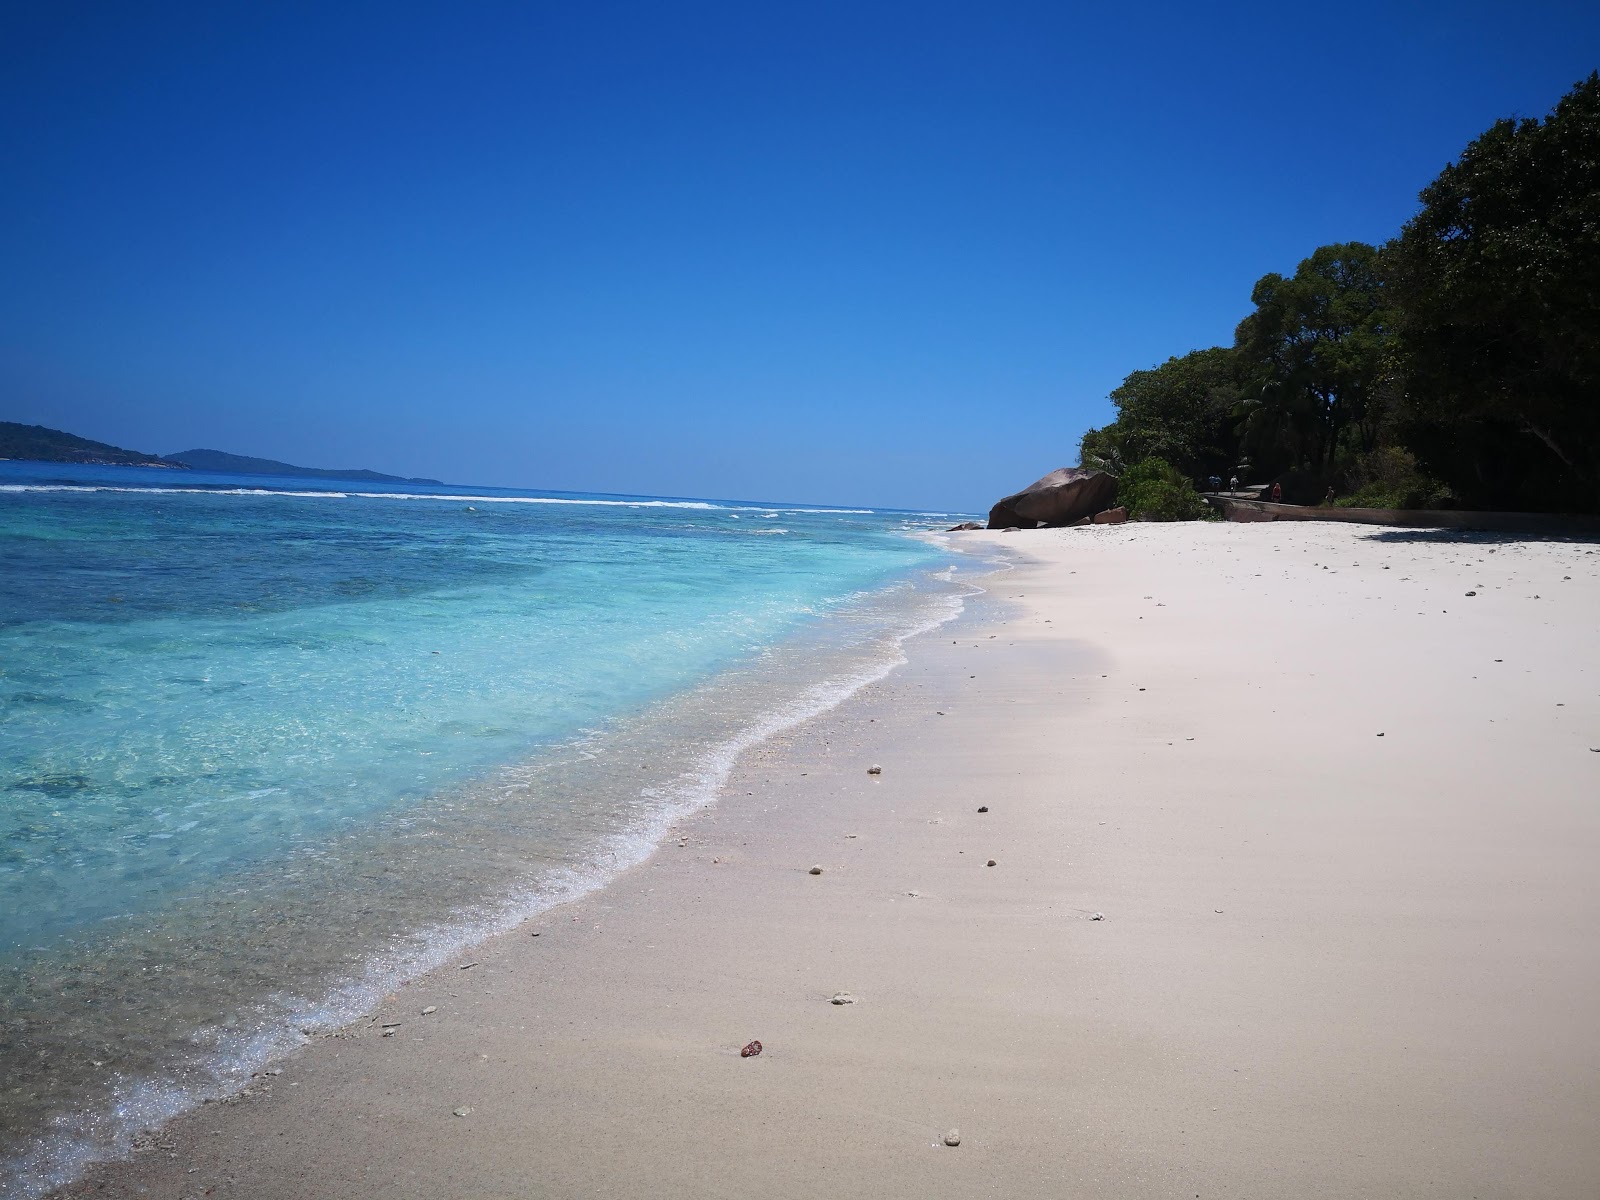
1329,963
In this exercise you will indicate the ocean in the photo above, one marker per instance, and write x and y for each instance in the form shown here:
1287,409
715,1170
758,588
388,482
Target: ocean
269,746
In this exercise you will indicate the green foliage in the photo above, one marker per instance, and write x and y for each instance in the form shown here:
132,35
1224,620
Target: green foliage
1458,365
1181,411
1313,358
1389,477
1102,450
1154,490
1498,279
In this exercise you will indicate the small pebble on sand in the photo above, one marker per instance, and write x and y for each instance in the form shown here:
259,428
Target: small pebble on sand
842,998
430,1010
953,1138
991,863
460,1112
983,808
874,769
816,870
1097,916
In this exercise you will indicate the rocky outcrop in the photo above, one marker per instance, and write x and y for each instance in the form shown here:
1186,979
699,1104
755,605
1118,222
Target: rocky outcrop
1111,516
964,525
1060,498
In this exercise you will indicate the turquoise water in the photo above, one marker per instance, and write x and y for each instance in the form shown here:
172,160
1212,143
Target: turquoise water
265,745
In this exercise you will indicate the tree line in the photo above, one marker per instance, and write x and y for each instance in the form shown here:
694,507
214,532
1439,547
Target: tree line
1455,366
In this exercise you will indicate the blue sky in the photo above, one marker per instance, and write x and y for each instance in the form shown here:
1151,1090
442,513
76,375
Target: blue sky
875,253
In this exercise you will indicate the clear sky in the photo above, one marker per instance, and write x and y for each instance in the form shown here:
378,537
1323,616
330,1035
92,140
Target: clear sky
865,252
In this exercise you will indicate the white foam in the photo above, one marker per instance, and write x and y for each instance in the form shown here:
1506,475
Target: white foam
165,491
700,505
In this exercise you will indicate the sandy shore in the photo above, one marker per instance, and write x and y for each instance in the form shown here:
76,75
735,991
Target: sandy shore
1341,821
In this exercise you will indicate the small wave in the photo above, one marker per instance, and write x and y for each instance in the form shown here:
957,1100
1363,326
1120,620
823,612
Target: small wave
700,505
163,491
333,495
695,504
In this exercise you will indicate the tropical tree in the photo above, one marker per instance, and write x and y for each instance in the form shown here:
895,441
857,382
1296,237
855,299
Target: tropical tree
1181,411
1497,284
1102,449
1313,357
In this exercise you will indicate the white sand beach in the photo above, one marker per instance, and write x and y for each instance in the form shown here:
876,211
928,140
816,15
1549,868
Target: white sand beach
1296,891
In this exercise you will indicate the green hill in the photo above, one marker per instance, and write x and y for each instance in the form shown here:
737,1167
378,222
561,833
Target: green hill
39,444
36,443
243,464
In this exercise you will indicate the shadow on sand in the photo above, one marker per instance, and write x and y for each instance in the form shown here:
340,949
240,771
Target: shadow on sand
1484,537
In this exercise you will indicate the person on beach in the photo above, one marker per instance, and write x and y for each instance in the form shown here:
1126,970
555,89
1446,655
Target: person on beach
1277,493
1328,499
1233,484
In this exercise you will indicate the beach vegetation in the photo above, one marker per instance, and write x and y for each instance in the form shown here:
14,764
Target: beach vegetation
1102,449
1389,477
1497,280
1312,356
1459,364
1180,415
1182,412
1155,490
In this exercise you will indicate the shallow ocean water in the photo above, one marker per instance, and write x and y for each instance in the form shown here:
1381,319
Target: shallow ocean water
267,747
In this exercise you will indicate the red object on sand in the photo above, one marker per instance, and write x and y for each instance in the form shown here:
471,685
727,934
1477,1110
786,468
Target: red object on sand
750,1051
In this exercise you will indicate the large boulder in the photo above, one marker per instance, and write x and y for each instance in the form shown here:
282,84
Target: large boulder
1060,498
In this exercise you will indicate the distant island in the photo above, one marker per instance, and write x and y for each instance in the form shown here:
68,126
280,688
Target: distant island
36,443
243,464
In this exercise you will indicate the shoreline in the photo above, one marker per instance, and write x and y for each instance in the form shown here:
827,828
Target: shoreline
806,672
1328,964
